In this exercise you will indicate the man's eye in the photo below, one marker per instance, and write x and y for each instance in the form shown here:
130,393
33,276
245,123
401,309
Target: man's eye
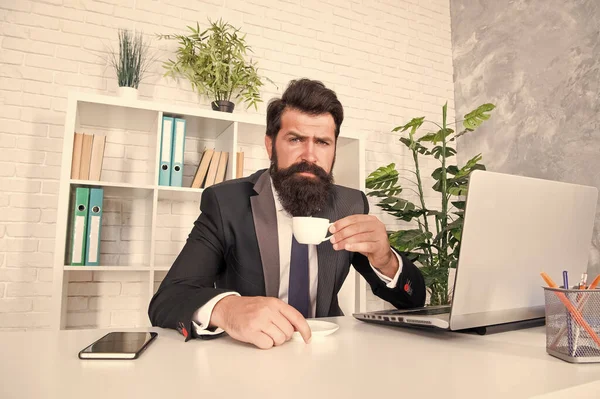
321,142
295,139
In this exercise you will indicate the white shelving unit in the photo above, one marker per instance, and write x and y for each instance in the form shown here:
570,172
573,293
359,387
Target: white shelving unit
144,225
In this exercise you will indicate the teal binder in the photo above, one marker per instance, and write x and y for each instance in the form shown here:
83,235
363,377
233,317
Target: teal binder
94,227
177,153
164,171
79,226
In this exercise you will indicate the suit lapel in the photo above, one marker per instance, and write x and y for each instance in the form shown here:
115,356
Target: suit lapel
327,259
265,225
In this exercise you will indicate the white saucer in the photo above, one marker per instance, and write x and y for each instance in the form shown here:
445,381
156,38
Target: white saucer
318,328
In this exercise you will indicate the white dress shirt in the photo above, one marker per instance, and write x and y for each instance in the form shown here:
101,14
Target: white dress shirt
201,317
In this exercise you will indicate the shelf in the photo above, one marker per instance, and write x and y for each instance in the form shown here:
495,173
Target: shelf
106,268
180,189
166,108
117,190
179,193
90,183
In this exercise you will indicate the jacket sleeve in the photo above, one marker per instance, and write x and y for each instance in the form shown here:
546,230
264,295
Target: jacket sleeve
190,282
410,290
408,293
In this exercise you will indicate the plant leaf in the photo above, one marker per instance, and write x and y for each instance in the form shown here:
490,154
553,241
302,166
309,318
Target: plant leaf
406,240
455,225
439,150
476,117
438,136
413,125
414,145
384,180
459,205
460,190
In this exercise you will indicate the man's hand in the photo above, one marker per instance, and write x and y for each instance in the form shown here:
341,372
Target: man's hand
365,234
262,321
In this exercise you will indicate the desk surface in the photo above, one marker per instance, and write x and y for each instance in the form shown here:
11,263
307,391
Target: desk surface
359,360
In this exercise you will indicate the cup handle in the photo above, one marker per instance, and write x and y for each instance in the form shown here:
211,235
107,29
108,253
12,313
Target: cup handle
328,237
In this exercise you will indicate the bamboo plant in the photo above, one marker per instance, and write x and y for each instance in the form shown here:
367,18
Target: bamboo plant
214,61
435,242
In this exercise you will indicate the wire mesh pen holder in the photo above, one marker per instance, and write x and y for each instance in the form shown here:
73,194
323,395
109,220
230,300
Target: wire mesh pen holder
573,324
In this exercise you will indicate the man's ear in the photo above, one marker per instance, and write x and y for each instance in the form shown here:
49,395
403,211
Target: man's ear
269,145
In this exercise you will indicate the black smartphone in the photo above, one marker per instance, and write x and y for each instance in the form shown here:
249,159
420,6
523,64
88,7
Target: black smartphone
119,345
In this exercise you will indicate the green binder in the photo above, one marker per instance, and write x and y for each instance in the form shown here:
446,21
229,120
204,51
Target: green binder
79,226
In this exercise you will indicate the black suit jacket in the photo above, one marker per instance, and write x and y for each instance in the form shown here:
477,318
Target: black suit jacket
233,246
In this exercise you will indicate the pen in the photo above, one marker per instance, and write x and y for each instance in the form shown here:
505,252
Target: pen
576,314
569,323
581,286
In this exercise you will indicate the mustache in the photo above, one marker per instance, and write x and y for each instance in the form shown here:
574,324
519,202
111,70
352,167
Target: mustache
304,166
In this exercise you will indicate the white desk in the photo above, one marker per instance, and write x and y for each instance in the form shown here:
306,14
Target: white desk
358,361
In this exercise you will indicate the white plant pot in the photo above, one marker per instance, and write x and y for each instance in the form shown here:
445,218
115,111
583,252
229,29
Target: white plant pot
128,93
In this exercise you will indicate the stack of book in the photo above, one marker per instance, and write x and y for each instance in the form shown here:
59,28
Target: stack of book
86,226
88,153
172,147
213,168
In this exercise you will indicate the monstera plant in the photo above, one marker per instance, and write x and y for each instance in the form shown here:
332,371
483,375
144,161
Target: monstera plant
434,243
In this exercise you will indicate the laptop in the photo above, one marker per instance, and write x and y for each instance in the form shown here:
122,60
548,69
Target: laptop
515,227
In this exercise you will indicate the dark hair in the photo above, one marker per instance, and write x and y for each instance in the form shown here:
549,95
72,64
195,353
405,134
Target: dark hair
308,96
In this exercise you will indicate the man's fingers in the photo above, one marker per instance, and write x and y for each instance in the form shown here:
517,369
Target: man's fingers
275,334
362,247
298,321
355,239
350,220
284,324
367,225
262,341
350,231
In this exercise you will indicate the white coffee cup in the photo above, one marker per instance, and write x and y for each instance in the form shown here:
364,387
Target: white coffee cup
310,230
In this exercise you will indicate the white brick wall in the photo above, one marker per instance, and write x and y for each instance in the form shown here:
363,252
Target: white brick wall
388,61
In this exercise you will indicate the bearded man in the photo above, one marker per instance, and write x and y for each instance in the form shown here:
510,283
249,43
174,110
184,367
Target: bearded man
241,270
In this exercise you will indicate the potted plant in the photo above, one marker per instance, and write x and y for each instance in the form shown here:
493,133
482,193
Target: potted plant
435,244
214,61
130,63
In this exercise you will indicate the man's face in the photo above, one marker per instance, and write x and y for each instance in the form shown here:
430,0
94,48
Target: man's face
304,137
302,158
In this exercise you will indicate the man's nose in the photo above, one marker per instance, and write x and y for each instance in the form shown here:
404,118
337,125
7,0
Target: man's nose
309,152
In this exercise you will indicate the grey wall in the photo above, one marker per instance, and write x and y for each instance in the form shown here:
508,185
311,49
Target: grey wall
539,62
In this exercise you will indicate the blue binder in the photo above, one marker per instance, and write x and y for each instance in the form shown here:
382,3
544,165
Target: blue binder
79,226
177,152
164,172
94,227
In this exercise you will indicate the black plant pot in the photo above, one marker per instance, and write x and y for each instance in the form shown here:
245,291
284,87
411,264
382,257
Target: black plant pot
223,106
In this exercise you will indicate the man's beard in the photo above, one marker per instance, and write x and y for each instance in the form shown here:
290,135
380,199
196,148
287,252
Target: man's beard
301,195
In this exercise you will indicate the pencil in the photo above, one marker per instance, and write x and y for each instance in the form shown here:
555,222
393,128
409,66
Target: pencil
594,283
